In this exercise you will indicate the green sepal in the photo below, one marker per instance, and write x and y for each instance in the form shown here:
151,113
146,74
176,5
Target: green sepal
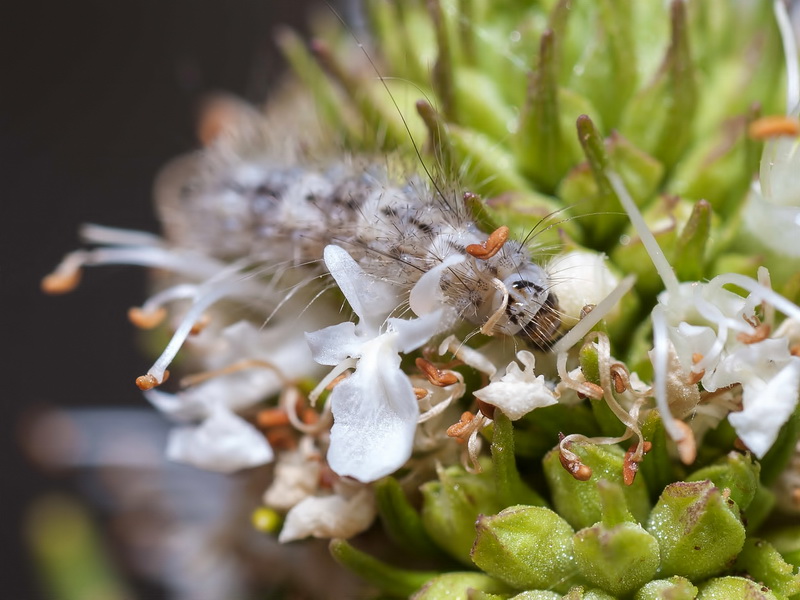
537,595
579,501
388,579
459,586
659,119
510,487
728,588
736,472
759,509
657,467
689,252
698,530
609,423
616,554
761,561
537,432
674,588
527,547
787,541
401,521
451,505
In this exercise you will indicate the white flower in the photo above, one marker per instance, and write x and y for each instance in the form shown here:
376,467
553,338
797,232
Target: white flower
340,515
519,391
375,410
581,278
223,442
770,378
296,476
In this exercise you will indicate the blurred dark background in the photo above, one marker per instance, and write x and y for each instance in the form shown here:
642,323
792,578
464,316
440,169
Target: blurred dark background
94,98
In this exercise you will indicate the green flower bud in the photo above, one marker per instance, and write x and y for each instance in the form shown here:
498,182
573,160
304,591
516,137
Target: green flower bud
674,588
697,528
527,547
763,562
537,595
787,542
581,593
616,554
579,501
736,472
452,504
401,521
459,586
759,509
726,588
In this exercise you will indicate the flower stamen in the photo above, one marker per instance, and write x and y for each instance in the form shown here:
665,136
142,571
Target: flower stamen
435,375
491,246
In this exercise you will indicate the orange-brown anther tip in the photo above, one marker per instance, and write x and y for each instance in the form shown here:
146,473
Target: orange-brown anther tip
582,473
487,249
486,408
146,382
144,319
774,126
56,283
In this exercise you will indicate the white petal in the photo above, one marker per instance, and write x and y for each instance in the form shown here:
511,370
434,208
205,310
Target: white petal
374,416
296,477
412,333
329,517
767,407
761,360
517,399
426,296
177,406
371,299
332,345
224,443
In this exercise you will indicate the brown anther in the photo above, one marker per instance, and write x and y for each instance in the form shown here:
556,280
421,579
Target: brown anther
309,416
336,380
200,324
795,495
146,319
774,126
695,377
592,390
436,376
576,468
696,358
619,380
271,417
148,382
761,333
327,478
687,446
60,283
281,438
630,464
420,393
491,246
794,350
586,310
740,445
219,114
486,408
462,429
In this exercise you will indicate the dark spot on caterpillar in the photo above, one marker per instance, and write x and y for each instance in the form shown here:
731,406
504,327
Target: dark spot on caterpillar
523,284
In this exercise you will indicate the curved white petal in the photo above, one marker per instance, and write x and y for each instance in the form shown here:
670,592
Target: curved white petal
767,406
412,333
329,517
224,443
370,298
332,345
426,296
375,416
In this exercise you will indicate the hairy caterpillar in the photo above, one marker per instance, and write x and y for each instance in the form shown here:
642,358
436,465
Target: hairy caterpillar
234,201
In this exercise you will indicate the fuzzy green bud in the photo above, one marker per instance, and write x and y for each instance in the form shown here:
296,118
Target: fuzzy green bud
763,562
579,501
452,504
458,586
527,547
616,554
674,588
697,528
736,472
726,588
581,593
